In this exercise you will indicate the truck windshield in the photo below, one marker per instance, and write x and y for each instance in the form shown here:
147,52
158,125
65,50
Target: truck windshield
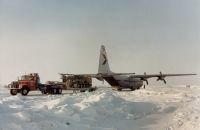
26,77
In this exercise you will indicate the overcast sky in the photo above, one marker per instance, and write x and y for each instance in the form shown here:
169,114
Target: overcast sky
52,36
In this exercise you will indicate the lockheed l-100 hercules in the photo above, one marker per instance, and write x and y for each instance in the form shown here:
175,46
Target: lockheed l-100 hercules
121,81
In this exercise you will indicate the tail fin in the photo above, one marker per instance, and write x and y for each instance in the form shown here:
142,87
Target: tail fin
103,62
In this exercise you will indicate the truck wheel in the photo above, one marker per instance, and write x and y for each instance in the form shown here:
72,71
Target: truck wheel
90,90
54,91
13,92
24,91
43,92
59,91
82,90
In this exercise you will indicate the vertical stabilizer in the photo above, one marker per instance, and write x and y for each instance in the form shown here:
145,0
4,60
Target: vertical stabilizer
103,62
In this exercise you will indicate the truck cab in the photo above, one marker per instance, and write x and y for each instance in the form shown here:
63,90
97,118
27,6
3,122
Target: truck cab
24,84
31,82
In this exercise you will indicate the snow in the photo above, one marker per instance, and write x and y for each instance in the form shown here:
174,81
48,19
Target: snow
154,108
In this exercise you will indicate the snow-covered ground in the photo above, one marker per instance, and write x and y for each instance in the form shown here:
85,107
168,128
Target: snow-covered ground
155,108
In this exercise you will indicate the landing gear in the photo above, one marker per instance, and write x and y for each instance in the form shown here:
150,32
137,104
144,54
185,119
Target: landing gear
119,89
132,89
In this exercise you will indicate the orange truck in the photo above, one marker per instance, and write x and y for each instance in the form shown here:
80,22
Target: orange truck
31,82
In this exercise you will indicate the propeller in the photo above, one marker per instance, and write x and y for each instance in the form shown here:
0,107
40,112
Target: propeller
161,73
164,81
145,79
162,78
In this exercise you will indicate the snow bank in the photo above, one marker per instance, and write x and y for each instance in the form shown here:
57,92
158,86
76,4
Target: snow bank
153,108
101,110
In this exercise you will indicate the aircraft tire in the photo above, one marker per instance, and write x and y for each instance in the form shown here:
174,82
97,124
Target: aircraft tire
119,89
132,89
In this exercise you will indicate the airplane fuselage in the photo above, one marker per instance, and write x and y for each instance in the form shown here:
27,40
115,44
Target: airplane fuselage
122,82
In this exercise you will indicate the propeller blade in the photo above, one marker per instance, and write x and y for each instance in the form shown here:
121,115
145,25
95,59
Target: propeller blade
145,79
164,81
147,82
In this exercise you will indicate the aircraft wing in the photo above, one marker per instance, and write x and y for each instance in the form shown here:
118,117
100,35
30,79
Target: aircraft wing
98,76
159,76
69,74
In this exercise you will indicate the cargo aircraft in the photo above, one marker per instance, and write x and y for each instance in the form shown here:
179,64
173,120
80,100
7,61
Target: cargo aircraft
121,81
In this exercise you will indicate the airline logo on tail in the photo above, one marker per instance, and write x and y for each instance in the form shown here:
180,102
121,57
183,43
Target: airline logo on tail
105,58
104,55
103,61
